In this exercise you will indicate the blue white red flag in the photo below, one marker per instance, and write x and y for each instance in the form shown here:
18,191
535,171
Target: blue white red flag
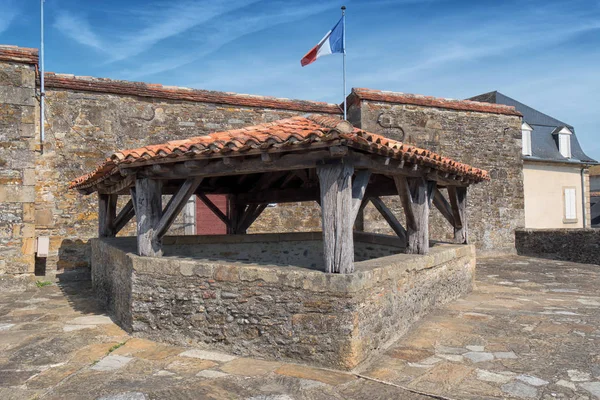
333,42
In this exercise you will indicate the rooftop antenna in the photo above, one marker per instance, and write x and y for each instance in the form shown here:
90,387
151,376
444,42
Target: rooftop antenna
42,89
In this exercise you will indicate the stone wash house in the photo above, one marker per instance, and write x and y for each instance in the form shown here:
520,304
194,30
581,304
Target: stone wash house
556,177
45,227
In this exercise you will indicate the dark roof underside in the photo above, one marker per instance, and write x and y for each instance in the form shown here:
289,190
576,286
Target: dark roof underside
543,144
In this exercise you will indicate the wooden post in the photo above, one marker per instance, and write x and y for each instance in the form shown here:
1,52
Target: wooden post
148,196
413,193
458,202
336,217
107,213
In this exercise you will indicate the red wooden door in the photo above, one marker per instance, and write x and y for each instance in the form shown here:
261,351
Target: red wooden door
207,223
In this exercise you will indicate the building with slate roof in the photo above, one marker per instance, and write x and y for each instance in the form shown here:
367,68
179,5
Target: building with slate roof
555,169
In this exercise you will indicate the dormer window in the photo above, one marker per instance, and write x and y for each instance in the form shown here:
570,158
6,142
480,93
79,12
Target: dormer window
526,138
564,142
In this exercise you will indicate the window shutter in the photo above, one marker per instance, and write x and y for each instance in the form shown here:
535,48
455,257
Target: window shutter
570,204
564,145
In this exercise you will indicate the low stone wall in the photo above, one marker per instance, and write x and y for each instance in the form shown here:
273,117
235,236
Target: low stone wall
254,308
577,245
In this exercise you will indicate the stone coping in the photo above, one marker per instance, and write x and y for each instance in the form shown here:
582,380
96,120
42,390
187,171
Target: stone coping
367,274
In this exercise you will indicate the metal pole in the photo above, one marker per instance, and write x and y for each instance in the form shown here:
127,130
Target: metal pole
344,55
42,89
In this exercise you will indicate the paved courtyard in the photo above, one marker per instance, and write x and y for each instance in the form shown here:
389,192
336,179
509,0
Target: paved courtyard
529,330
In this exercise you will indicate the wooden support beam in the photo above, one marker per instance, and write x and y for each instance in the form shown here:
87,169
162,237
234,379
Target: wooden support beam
107,211
389,216
248,220
125,215
148,196
440,202
405,197
335,181
458,202
413,193
216,210
359,187
176,204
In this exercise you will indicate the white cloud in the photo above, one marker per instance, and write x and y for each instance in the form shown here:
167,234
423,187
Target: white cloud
78,29
226,30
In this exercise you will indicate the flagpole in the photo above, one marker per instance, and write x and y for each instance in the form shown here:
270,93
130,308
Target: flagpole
344,55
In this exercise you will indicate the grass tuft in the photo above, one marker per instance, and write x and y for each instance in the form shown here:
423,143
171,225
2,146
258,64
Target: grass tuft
42,283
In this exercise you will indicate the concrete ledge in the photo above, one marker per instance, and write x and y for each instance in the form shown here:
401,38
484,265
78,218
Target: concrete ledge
276,311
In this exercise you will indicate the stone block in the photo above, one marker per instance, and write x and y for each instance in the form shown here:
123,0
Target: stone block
29,212
27,130
17,194
18,95
43,217
29,177
28,246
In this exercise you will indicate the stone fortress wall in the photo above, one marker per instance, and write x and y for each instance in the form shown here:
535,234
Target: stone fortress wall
87,119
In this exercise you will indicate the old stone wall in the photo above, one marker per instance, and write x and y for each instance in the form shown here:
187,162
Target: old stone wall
18,145
481,138
88,119
277,312
576,245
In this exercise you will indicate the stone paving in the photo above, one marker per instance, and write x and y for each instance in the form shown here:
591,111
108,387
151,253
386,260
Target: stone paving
530,330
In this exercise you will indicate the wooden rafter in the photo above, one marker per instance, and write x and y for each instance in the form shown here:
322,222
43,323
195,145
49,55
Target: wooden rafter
124,216
440,202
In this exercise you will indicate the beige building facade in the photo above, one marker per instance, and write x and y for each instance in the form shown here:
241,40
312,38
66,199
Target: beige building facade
554,197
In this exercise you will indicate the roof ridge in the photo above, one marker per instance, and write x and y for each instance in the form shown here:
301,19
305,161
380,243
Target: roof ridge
154,90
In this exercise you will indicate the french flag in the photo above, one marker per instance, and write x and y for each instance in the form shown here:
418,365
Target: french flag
333,42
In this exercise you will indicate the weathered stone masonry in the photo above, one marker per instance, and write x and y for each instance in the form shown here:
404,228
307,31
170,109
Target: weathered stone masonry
88,118
18,142
474,133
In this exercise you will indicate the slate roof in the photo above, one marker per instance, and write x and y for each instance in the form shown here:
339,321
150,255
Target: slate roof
429,101
544,146
296,133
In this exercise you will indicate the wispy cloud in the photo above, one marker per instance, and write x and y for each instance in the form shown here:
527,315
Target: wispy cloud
165,20
222,31
9,11
79,29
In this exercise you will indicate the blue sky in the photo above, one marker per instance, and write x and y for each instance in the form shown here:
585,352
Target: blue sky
543,53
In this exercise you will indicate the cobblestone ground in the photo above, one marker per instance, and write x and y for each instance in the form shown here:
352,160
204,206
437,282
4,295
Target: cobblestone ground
529,330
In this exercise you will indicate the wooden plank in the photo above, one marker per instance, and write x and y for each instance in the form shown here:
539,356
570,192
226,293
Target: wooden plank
176,204
107,211
216,210
406,200
335,181
417,236
125,215
359,187
148,196
440,202
458,201
389,216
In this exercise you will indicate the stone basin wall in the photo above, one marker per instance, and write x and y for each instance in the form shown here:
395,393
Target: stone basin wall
273,311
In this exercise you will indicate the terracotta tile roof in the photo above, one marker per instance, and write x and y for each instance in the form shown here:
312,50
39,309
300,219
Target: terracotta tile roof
594,194
103,85
290,133
18,54
428,101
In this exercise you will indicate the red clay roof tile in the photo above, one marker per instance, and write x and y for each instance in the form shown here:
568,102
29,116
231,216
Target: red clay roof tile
428,101
103,85
18,54
290,132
